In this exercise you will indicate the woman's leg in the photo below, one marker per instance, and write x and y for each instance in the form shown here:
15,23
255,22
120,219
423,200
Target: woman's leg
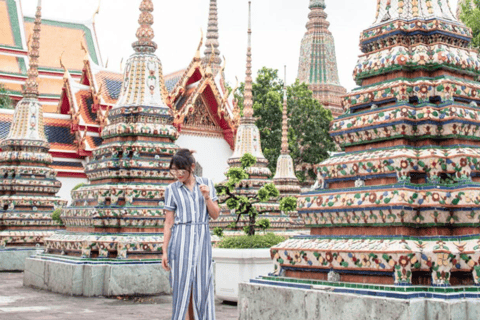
190,315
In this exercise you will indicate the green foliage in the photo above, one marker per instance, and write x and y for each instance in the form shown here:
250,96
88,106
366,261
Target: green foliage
218,231
263,224
250,242
245,205
78,186
5,100
308,137
248,160
249,230
470,15
288,204
56,216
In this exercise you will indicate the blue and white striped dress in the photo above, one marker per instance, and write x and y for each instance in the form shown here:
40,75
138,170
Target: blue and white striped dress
190,250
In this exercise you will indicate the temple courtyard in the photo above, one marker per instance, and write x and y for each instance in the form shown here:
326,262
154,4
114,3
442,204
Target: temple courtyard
20,303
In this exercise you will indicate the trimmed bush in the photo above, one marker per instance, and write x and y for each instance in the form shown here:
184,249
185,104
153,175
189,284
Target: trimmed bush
56,216
250,242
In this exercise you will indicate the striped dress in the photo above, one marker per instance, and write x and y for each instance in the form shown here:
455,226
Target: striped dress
190,250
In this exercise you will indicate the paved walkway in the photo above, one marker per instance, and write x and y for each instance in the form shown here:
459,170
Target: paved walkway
20,303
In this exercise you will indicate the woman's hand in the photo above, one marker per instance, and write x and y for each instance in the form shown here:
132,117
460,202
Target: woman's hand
205,190
165,262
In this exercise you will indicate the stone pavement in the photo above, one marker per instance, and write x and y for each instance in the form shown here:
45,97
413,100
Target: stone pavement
20,303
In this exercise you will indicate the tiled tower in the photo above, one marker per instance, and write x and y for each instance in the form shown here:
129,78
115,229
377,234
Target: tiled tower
399,212
212,40
248,141
118,216
318,61
29,185
285,179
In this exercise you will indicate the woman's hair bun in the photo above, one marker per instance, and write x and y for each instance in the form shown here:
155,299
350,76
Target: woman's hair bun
192,151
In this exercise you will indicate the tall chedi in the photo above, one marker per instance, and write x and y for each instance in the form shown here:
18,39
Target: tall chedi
29,185
248,141
399,214
318,61
285,179
212,45
115,220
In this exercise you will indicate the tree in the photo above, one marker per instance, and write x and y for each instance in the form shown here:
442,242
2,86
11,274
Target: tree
470,15
308,137
245,205
5,100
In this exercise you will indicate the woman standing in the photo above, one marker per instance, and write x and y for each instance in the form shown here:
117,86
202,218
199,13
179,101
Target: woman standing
187,251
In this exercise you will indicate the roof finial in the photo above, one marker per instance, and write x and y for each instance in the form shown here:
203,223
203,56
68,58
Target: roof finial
31,85
96,12
197,53
285,117
248,96
145,34
212,37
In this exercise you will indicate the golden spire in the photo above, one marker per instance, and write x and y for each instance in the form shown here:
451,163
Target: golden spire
145,32
31,85
285,117
248,96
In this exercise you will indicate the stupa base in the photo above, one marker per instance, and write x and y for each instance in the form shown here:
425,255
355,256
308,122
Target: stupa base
96,277
13,258
267,298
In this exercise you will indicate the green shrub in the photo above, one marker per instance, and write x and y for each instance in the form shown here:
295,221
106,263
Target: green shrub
263,224
250,242
56,215
218,231
78,186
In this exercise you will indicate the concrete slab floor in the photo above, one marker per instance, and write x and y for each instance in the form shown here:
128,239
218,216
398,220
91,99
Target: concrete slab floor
20,303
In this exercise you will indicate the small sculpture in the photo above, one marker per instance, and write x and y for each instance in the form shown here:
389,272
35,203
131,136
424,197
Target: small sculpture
359,183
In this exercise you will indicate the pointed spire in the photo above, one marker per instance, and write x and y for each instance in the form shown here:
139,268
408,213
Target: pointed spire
212,38
285,117
317,4
248,95
145,32
31,85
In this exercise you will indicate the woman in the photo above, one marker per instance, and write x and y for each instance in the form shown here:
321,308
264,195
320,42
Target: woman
187,251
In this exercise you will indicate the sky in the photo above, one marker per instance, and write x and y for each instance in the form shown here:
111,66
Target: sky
278,27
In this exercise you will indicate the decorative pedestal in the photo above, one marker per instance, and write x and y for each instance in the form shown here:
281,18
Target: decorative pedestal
95,277
261,300
234,266
13,258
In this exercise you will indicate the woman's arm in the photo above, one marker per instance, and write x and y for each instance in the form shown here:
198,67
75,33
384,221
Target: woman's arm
167,233
213,208
210,195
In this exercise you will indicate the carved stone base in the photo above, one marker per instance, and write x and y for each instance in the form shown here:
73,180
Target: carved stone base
96,277
264,301
13,259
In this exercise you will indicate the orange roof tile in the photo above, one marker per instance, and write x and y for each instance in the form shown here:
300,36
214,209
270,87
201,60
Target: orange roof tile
56,122
50,85
6,36
13,86
9,63
51,48
84,101
50,108
62,147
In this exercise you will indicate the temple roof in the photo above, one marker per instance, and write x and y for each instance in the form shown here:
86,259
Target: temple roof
389,10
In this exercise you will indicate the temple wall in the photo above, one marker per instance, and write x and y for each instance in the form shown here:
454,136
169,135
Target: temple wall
68,184
212,154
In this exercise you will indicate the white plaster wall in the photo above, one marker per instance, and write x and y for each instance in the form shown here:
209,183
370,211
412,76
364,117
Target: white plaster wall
212,154
67,185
